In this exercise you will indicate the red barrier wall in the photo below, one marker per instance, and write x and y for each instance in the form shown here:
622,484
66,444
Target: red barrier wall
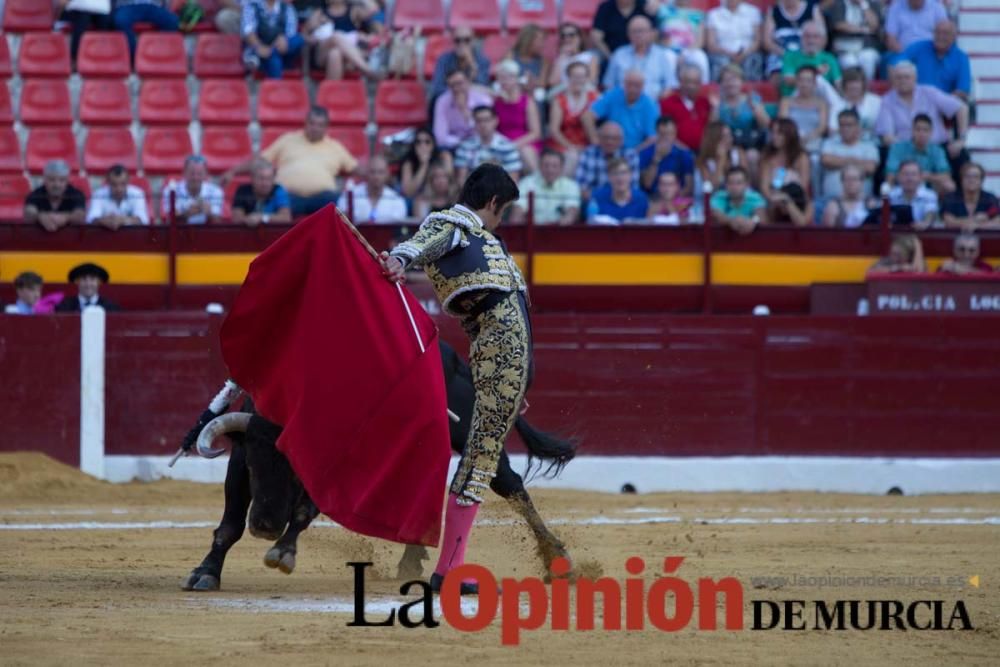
40,385
626,385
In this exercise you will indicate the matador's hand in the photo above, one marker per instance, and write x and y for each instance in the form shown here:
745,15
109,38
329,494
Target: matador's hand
392,268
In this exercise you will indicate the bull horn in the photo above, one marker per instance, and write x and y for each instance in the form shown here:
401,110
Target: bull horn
227,423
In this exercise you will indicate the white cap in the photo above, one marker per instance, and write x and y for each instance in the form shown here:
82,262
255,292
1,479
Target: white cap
761,309
214,309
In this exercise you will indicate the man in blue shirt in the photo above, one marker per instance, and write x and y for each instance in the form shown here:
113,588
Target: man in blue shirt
618,200
262,200
940,63
930,157
665,155
629,107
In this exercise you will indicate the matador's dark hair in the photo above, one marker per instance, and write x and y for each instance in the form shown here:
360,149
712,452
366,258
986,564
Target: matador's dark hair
486,182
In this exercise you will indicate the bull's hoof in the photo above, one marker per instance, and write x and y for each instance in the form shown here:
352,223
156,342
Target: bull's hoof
279,558
201,582
411,564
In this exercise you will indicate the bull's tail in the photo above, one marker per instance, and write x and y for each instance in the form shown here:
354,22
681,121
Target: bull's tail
547,454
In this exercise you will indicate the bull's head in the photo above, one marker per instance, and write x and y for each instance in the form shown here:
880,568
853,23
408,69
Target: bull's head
273,486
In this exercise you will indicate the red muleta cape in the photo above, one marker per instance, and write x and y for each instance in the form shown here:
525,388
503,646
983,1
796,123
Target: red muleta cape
322,342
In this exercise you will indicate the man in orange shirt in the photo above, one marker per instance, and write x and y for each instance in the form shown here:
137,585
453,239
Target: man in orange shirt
308,162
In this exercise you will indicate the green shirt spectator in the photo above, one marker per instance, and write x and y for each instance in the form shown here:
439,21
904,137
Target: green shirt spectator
932,159
751,203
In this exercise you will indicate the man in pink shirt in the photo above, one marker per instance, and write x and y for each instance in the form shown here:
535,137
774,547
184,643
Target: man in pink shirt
453,121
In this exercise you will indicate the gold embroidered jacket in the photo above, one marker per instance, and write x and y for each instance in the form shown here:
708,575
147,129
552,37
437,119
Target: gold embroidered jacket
461,257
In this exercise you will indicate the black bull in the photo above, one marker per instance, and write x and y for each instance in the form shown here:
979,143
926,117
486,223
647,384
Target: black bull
281,509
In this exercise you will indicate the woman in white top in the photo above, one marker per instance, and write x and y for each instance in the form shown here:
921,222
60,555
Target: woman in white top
857,97
733,35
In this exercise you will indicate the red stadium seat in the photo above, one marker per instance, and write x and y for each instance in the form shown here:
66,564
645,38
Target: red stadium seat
161,54
51,143
224,102
44,54
541,12
400,103
81,183
105,102
767,91
218,56
10,152
45,102
483,16
495,47
282,102
14,189
27,16
270,134
164,102
143,184
347,101
427,14
107,146
103,54
164,150
580,12
435,47
225,147
6,107
6,66
879,86
354,140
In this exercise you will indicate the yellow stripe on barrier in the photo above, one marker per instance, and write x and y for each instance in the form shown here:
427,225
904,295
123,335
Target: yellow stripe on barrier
213,268
744,269
617,269
126,268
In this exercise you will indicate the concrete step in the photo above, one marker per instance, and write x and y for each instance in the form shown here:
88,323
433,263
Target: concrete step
980,44
980,21
989,159
978,4
984,137
988,88
984,66
988,112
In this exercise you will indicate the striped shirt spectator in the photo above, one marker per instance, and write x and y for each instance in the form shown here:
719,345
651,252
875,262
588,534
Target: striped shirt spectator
486,145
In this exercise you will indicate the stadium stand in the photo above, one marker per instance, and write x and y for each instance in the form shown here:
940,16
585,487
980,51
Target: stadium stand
579,12
354,140
483,16
105,102
51,143
400,103
27,16
6,107
164,150
218,56
13,190
545,16
224,102
428,15
103,54
164,102
435,47
45,102
497,45
10,152
107,146
346,100
282,102
161,55
225,147
44,54
6,65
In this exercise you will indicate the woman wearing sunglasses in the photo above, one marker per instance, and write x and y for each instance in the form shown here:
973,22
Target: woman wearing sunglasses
572,49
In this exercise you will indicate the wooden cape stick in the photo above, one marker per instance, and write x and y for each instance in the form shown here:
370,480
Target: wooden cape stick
399,289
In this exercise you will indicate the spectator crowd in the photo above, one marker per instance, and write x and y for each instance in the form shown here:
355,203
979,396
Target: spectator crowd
629,119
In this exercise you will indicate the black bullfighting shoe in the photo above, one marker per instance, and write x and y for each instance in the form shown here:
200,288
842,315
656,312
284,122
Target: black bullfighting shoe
466,588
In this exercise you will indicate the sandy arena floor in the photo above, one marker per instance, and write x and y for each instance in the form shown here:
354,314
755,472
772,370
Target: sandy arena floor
90,573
